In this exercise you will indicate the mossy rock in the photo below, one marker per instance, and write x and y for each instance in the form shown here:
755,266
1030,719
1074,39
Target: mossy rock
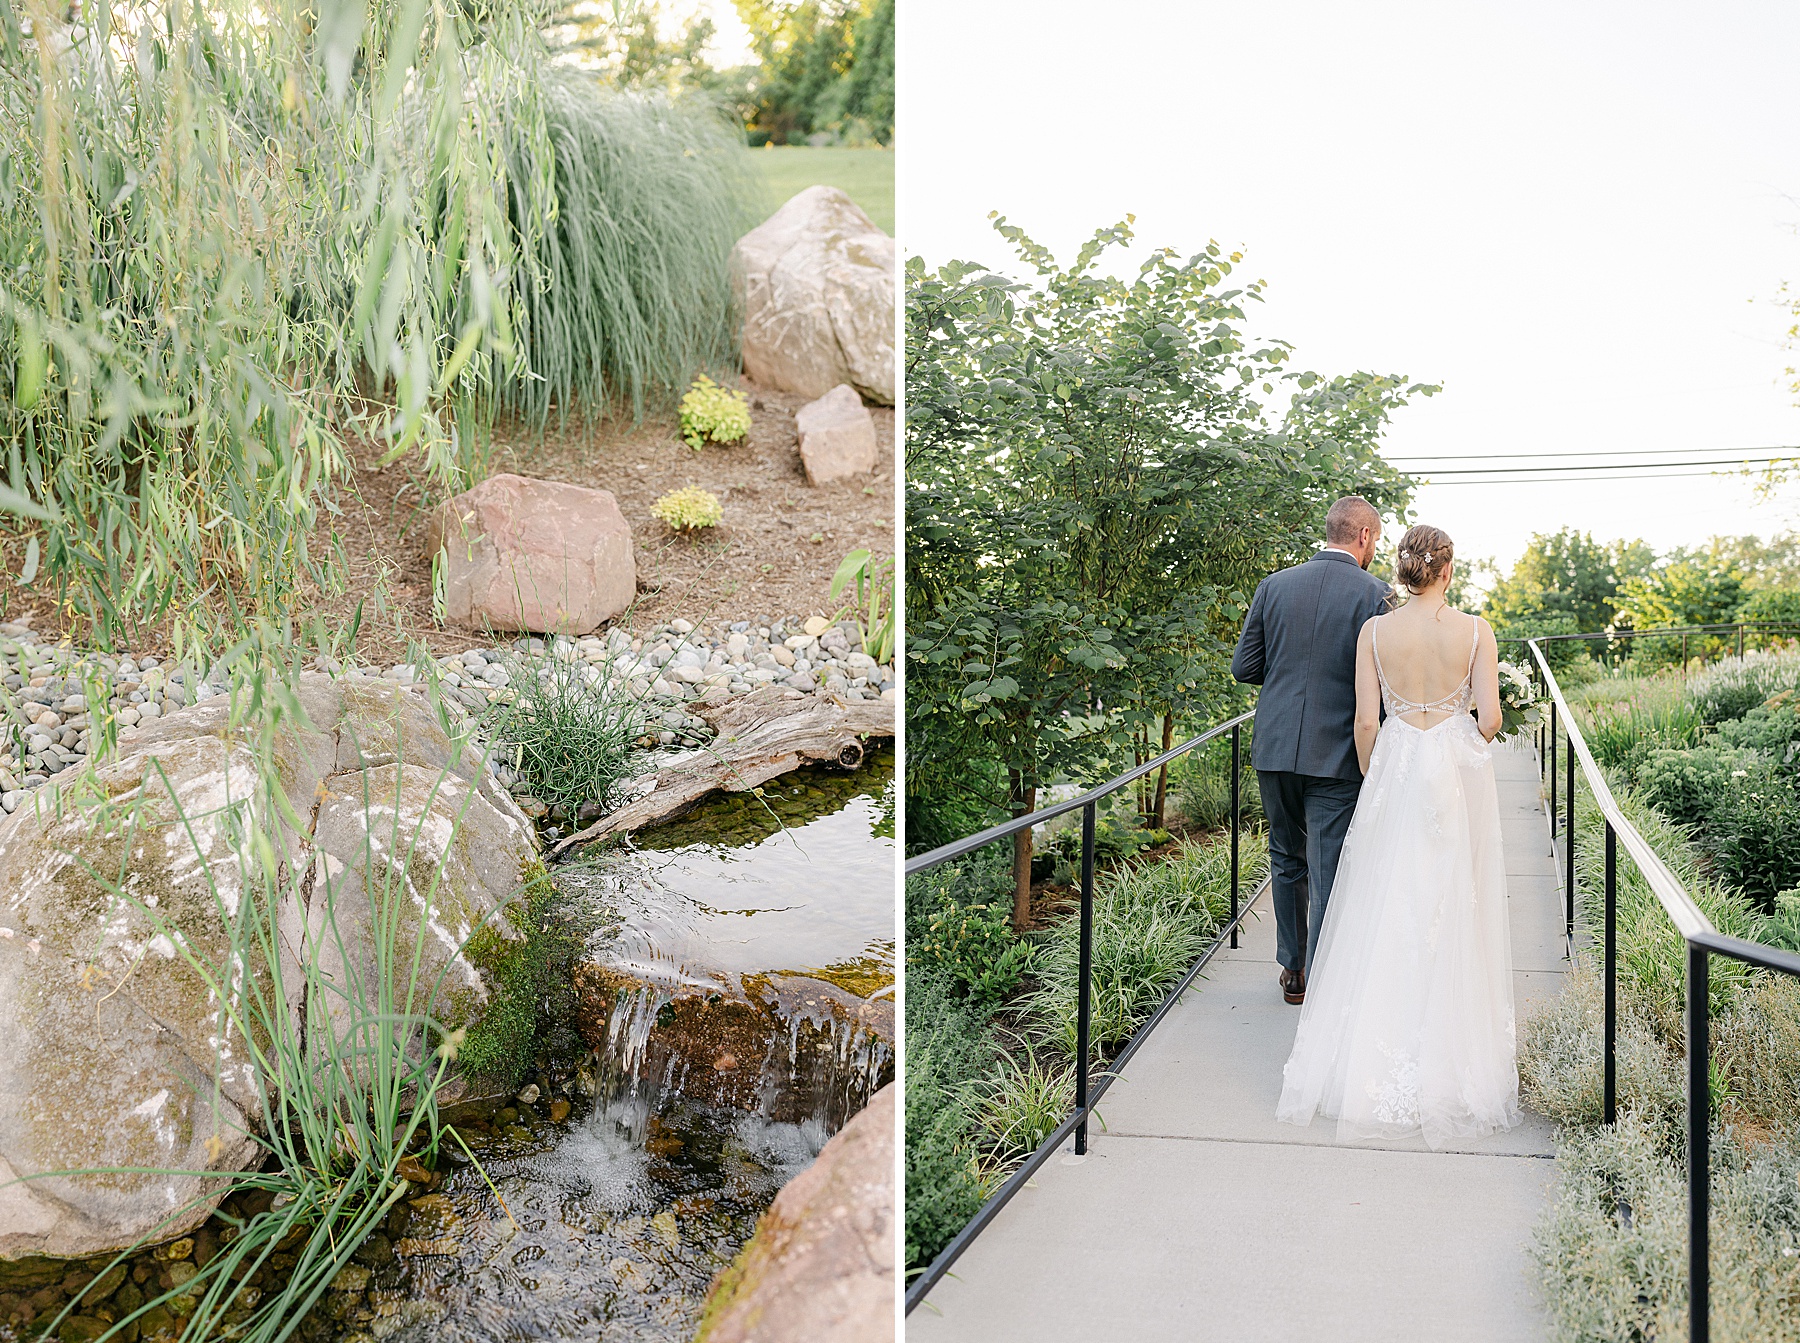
130,942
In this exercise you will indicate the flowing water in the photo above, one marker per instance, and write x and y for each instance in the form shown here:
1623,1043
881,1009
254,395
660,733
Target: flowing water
762,925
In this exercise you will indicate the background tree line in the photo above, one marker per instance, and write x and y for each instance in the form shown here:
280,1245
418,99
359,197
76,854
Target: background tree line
824,71
1567,582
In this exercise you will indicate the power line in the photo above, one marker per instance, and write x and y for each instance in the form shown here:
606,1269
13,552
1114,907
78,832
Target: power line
1597,466
1599,452
1579,479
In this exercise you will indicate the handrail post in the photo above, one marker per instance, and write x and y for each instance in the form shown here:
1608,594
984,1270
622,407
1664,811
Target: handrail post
1569,835
1237,770
1740,640
1612,967
1684,652
1085,976
1553,773
1699,1140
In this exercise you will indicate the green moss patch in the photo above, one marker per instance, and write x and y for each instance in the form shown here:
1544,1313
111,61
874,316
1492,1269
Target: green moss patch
531,1000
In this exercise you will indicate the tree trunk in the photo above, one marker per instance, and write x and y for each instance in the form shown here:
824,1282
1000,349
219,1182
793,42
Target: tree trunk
1162,774
1024,800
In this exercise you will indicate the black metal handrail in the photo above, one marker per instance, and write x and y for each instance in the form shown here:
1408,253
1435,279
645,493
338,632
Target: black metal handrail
1077,1121
1702,939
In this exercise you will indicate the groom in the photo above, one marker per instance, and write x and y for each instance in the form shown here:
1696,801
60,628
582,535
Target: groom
1299,645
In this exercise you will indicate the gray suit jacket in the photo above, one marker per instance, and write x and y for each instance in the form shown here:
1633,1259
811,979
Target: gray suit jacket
1299,645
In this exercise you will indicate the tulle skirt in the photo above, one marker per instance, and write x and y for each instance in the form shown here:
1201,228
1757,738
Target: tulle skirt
1408,1022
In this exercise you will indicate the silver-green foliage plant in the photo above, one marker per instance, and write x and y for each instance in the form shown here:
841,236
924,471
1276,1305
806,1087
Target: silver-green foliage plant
348,1083
1737,685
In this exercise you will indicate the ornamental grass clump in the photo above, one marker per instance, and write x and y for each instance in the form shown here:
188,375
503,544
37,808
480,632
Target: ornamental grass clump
1151,922
568,730
714,414
689,509
626,293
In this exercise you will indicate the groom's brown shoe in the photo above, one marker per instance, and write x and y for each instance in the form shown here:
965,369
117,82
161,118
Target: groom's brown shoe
1293,986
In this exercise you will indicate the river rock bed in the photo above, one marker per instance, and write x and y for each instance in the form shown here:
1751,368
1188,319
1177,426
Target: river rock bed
53,698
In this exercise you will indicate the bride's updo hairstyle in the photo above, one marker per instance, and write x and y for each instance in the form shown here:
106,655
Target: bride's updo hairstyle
1424,554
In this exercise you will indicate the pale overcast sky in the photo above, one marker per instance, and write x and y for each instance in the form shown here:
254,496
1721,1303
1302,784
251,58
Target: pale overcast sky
1574,217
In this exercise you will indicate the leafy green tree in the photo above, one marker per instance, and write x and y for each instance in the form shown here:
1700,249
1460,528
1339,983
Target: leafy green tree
827,66
630,43
1096,483
1566,573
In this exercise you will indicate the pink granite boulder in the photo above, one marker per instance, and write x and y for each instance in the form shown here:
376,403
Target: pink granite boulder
821,1264
539,555
837,436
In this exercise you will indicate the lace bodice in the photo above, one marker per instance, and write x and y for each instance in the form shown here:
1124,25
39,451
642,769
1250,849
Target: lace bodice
1457,701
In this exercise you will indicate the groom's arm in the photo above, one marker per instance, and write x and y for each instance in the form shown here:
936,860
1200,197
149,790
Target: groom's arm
1247,663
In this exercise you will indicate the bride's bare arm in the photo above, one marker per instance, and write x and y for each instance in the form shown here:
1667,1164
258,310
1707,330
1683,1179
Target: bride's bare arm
1487,680
1368,696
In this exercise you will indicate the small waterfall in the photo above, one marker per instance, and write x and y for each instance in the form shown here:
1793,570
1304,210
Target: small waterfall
783,1047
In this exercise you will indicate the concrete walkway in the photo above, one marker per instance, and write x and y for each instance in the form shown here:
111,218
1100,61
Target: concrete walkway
1195,1216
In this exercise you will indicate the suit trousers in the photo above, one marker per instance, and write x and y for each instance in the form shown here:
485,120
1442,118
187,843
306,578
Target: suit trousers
1308,818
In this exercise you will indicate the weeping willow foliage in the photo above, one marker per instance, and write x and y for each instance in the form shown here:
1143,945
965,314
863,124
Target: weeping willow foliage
629,293
236,235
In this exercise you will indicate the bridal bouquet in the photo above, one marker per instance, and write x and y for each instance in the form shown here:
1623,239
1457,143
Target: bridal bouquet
1520,707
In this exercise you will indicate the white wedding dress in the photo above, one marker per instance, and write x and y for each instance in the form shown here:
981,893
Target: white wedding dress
1407,1027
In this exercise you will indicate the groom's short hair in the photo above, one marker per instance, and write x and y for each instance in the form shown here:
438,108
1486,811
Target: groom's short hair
1347,517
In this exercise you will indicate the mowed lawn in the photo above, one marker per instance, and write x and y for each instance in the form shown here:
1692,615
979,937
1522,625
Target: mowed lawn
865,175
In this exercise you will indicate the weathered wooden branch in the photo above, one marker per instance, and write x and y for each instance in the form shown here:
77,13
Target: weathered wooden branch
758,737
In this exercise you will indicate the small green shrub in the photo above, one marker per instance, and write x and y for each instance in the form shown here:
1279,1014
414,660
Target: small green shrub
713,414
973,946
1784,921
568,730
1753,834
1202,787
1687,785
689,509
948,1047
1773,729
1115,841
1737,685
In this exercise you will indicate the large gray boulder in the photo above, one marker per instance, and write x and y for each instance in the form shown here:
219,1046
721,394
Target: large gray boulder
817,284
127,926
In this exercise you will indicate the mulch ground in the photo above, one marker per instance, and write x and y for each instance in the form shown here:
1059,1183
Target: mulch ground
773,555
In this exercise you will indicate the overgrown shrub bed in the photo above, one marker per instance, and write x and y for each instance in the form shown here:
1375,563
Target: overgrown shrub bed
990,1017
1701,767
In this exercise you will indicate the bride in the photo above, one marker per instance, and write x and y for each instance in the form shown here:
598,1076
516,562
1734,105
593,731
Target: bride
1408,1023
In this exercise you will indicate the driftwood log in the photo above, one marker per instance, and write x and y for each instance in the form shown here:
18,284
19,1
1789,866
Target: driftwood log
757,737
